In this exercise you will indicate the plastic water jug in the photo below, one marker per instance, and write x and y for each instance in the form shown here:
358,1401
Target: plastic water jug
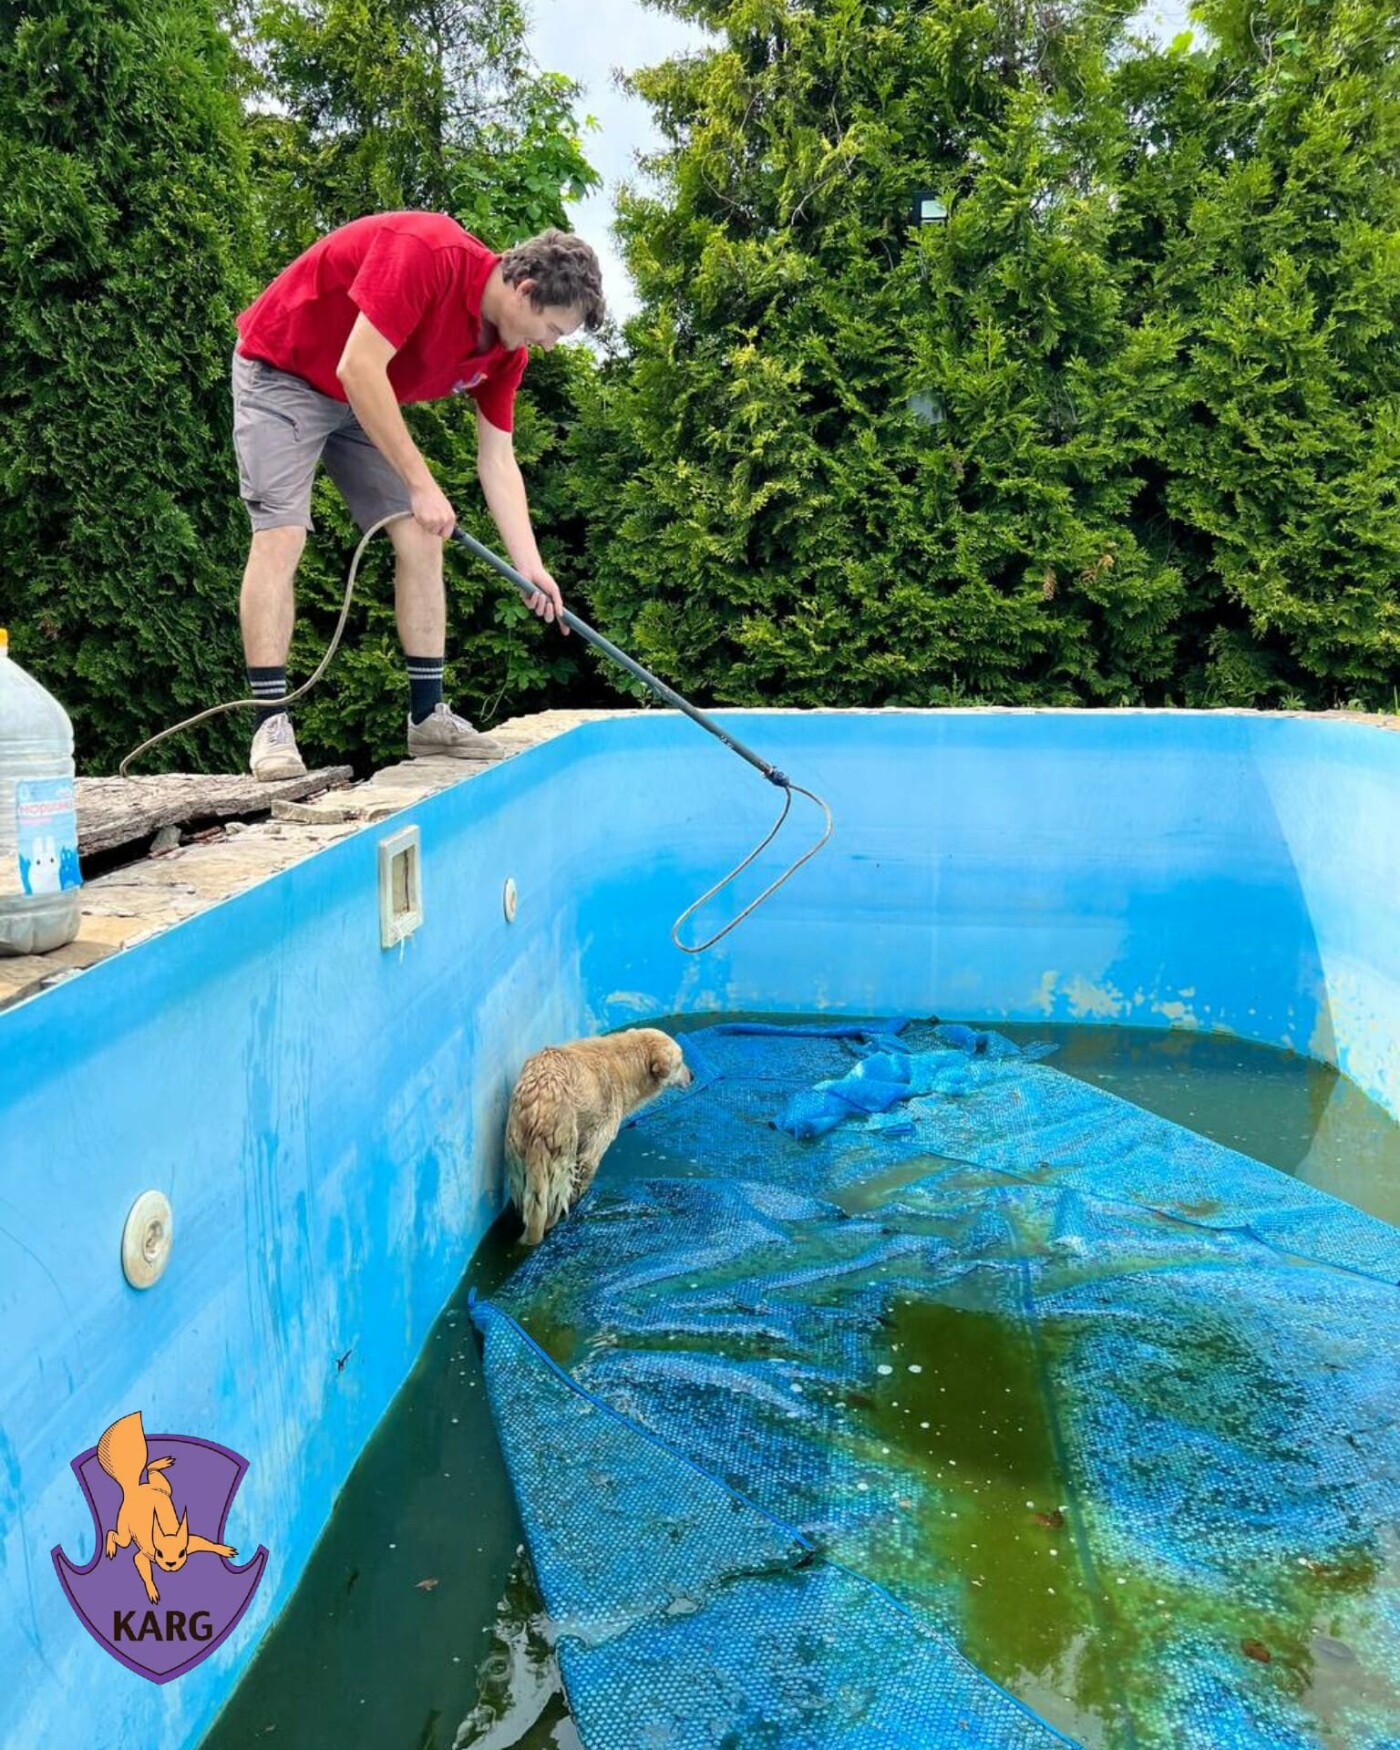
39,876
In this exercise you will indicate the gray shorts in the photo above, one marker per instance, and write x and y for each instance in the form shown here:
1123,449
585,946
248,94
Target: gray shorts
282,428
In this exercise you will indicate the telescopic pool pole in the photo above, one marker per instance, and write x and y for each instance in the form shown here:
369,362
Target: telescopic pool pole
696,715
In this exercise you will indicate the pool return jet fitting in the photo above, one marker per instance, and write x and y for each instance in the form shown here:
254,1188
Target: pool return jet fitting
599,642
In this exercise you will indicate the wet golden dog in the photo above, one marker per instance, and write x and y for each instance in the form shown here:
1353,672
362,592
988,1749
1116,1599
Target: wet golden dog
566,1110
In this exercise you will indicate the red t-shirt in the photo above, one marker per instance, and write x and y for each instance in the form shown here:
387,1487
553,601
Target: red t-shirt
418,277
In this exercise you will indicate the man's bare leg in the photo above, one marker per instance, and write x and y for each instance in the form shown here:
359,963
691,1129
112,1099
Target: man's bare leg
267,612
420,601
420,598
267,605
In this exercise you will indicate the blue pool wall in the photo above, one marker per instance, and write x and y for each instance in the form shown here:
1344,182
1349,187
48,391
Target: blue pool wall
325,1115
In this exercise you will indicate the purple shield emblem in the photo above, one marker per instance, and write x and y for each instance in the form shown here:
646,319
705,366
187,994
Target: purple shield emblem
160,1592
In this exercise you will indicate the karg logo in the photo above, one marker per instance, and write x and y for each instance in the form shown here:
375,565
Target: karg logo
158,1595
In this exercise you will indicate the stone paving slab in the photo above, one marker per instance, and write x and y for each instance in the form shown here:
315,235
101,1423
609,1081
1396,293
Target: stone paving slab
114,812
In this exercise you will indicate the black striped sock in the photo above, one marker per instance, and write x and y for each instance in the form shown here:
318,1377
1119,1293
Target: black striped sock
424,685
267,683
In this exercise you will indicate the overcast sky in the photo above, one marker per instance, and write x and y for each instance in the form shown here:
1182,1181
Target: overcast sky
589,43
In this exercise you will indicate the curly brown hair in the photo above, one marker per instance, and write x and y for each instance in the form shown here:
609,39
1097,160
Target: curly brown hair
565,271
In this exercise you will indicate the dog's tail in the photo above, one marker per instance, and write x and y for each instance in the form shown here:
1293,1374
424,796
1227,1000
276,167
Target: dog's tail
538,1193
528,1157
535,1212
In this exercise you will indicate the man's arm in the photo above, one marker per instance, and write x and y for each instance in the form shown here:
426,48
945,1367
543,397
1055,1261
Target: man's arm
364,375
501,482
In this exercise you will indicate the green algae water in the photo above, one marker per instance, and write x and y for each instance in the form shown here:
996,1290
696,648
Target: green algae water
1297,1115
1076,1643
416,1624
390,1636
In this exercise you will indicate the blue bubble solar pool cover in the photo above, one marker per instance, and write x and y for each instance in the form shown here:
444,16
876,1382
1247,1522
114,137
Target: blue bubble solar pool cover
930,1397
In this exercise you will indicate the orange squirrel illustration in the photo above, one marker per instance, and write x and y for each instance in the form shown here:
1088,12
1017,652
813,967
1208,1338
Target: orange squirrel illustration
147,1513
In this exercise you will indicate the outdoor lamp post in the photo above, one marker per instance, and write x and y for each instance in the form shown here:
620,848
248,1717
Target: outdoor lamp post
927,209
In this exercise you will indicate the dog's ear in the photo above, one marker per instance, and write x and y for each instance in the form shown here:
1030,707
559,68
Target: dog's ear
658,1063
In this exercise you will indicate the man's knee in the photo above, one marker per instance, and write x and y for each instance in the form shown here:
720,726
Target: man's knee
417,550
276,552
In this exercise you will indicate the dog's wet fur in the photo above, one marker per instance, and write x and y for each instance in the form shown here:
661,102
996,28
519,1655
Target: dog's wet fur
566,1109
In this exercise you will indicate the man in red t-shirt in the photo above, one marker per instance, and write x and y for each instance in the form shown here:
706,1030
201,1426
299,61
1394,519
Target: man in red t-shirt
394,308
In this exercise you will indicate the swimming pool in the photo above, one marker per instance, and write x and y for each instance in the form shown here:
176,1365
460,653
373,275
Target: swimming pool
324,1115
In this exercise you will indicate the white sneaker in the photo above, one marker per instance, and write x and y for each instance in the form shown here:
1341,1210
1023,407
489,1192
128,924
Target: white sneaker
274,752
445,735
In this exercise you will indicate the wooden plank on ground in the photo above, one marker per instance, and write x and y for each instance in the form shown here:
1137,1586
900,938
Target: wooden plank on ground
113,812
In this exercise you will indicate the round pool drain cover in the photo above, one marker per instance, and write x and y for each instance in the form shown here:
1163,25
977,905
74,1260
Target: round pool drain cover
146,1239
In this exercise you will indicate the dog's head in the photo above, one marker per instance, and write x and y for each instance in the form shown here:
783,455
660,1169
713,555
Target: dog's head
665,1065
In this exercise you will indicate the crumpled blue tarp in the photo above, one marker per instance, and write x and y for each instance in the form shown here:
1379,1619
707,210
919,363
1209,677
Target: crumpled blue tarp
872,1086
887,1076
